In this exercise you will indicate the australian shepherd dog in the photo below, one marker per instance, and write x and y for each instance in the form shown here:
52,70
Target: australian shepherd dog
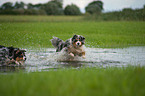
73,46
11,55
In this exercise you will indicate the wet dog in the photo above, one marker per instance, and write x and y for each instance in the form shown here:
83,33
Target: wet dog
73,46
11,55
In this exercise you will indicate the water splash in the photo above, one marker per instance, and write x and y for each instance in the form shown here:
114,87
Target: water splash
46,59
95,57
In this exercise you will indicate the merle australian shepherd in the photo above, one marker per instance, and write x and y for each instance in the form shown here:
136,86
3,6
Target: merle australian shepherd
73,46
11,55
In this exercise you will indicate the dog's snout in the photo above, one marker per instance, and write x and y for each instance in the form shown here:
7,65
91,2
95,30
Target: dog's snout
24,58
78,43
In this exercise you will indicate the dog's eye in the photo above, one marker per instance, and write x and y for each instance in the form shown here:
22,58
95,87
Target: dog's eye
21,55
76,40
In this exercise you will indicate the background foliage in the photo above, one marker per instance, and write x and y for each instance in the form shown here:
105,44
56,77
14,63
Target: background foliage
72,10
95,7
94,10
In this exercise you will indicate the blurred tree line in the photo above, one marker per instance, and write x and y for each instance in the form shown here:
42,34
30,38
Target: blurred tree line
127,14
95,8
54,7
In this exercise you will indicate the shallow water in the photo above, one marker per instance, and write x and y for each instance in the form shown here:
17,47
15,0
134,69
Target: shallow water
47,59
95,57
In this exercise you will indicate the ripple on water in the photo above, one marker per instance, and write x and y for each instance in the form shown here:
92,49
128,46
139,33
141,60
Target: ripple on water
47,59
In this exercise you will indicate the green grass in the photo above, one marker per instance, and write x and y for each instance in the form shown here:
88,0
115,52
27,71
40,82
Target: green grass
34,31
29,18
127,81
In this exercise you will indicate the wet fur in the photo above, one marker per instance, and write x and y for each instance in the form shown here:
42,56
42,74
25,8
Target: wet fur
70,46
11,55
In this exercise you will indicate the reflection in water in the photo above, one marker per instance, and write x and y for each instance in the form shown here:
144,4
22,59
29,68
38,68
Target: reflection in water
11,68
47,59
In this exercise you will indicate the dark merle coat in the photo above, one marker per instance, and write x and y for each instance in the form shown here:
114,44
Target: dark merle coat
60,44
73,46
9,54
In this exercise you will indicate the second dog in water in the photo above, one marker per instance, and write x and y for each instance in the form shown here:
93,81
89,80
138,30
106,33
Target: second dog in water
11,55
73,46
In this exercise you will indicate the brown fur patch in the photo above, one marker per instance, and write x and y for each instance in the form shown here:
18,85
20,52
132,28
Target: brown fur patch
19,59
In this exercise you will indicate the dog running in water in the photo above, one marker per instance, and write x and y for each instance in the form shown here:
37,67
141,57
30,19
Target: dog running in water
73,46
11,55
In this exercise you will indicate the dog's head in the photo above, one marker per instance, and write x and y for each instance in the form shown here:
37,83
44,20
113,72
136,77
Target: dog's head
19,55
78,41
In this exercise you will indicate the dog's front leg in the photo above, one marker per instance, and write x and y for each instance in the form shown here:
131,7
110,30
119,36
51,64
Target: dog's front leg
83,55
71,54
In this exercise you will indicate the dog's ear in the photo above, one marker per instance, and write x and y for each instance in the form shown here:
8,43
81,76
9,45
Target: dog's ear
83,38
17,51
74,36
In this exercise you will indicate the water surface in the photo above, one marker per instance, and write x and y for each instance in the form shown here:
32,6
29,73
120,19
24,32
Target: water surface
46,59
95,57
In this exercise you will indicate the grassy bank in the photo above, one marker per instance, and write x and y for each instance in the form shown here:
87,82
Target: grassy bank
31,18
83,82
31,31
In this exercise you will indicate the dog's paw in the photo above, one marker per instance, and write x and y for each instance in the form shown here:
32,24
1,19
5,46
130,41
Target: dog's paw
71,54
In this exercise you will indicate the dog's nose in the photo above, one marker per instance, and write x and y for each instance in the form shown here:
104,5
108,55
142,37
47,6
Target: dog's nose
24,58
78,43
